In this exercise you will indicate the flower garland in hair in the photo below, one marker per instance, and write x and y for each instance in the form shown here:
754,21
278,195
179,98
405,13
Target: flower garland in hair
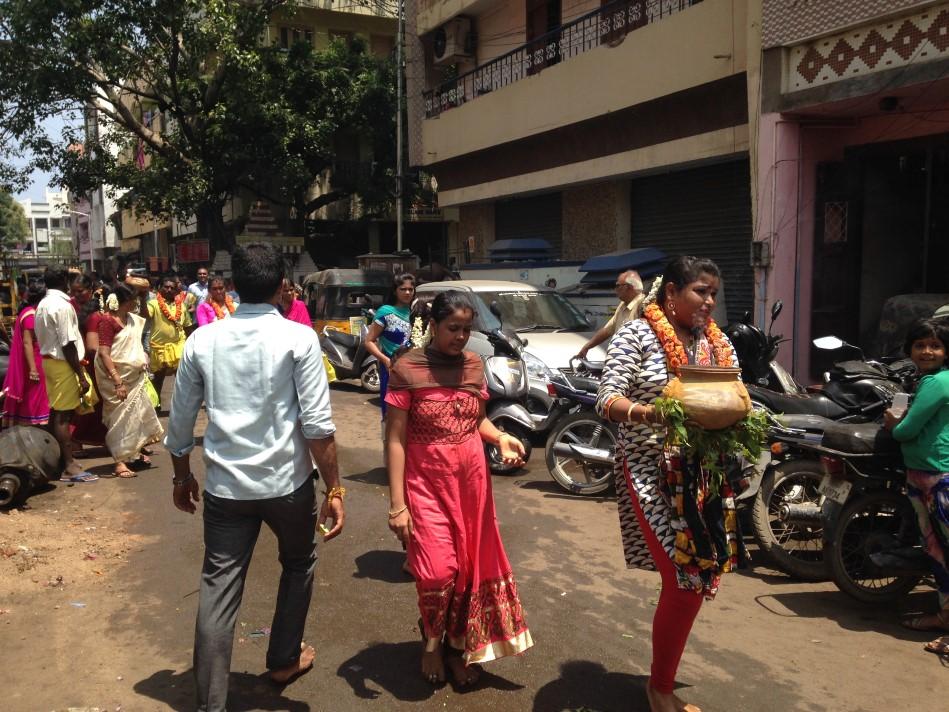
112,302
179,309
219,310
421,334
672,345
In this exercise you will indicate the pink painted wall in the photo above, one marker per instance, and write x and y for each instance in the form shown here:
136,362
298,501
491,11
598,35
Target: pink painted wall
786,203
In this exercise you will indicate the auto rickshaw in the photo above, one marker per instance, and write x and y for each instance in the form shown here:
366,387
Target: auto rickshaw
339,302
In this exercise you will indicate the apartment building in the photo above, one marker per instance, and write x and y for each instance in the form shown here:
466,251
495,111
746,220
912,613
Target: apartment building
51,225
853,168
594,125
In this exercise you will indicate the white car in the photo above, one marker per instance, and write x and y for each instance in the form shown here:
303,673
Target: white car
553,329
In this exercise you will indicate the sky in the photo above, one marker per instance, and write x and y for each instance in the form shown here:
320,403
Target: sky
40,180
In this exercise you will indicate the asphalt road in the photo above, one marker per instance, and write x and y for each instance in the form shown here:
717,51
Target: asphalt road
765,643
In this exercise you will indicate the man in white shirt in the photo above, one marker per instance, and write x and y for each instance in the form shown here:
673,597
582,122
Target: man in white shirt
199,289
57,330
262,381
629,289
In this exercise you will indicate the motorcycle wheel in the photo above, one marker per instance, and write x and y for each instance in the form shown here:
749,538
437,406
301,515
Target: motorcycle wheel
575,475
795,549
869,524
495,463
369,378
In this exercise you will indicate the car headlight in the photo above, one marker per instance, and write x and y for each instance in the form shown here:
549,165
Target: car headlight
535,367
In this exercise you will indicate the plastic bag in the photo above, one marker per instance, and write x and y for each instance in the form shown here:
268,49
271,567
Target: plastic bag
330,371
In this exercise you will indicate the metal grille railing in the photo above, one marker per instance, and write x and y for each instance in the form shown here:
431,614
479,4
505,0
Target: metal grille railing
607,25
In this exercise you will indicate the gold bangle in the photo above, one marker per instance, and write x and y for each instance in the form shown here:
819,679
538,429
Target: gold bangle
336,492
397,512
630,413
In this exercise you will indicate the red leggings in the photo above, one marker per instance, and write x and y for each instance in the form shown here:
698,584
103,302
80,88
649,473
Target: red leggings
674,616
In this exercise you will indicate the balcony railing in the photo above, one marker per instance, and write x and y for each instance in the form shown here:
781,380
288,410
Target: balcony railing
606,26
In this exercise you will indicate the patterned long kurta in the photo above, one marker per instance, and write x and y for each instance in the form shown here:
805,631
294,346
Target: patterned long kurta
636,369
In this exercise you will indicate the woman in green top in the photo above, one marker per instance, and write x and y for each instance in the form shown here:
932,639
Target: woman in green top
390,330
924,434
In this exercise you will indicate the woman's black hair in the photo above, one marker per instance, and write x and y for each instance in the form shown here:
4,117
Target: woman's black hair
926,329
447,303
35,293
684,270
396,283
83,278
123,292
259,271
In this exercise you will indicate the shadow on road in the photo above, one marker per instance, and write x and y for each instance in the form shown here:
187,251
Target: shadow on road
589,686
552,490
850,614
393,668
375,476
382,565
246,692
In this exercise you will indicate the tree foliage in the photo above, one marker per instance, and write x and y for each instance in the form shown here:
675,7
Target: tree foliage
14,227
194,105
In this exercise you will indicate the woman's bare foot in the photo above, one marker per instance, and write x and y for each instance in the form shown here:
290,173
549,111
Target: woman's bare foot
464,675
667,702
283,675
433,667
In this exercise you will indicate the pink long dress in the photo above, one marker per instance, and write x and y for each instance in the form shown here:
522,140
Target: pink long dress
26,402
298,313
465,584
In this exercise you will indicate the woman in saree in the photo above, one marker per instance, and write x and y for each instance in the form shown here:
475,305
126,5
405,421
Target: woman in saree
291,307
219,304
667,523
121,371
26,402
441,505
88,429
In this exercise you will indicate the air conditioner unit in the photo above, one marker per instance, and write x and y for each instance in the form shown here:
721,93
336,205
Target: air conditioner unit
452,41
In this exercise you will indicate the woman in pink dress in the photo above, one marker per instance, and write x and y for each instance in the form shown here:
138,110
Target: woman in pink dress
291,307
25,386
441,506
219,304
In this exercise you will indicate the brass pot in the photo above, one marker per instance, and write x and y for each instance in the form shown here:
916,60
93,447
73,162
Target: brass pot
712,396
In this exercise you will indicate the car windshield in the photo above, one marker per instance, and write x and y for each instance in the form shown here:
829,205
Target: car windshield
536,311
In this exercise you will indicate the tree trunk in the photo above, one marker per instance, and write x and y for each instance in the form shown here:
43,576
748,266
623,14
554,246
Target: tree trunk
211,226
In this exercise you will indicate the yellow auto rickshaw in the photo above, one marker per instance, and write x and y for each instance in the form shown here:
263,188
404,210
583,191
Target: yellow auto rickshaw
338,298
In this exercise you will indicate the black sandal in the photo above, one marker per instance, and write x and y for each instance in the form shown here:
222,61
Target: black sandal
139,464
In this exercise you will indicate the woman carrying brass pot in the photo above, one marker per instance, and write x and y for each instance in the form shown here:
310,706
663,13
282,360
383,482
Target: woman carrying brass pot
670,521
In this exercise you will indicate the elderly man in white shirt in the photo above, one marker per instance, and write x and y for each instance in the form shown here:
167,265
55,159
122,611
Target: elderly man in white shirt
629,289
262,381
57,330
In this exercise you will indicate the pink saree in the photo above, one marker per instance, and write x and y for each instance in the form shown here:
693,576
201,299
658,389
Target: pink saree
466,589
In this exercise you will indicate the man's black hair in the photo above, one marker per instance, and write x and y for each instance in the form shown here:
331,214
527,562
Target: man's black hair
258,270
55,277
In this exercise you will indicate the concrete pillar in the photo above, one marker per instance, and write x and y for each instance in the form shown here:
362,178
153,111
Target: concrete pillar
476,230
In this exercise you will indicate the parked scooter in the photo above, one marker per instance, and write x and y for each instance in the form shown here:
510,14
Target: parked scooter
349,357
757,351
580,446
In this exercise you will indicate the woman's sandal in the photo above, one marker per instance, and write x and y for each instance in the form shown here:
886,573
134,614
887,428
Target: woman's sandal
929,622
140,463
125,474
939,646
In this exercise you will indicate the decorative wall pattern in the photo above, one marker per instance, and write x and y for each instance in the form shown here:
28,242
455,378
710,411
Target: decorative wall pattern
786,22
895,43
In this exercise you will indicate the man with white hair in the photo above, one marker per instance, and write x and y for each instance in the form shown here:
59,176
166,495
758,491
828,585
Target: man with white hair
629,289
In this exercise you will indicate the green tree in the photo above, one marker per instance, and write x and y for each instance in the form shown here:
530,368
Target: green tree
235,114
14,227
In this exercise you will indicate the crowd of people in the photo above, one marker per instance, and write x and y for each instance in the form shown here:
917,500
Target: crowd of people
88,358
95,363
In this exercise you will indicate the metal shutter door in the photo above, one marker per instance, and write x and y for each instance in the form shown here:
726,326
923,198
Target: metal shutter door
704,212
537,216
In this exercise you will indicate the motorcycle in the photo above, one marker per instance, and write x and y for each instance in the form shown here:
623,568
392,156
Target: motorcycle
29,459
757,351
580,447
349,357
507,383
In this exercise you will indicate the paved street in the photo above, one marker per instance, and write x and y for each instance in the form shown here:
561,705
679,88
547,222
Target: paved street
765,644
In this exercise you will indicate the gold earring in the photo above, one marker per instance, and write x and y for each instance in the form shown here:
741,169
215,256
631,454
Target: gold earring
672,307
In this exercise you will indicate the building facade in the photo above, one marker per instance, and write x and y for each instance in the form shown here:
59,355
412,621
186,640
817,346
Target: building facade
51,226
852,178
596,126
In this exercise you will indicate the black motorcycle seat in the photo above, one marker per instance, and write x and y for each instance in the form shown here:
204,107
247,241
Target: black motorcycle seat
860,439
804,404
805,421
342,338
583,383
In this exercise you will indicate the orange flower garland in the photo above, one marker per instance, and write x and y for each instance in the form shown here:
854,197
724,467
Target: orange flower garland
219,311
672,345
179,308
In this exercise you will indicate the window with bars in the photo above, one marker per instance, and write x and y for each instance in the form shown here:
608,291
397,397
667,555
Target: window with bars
289,36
